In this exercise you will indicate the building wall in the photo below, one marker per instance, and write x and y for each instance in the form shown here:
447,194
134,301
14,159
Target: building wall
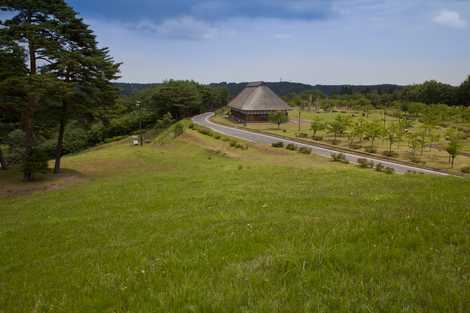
241,116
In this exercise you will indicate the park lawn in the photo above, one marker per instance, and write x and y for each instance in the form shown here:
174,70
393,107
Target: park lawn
197,226
433,157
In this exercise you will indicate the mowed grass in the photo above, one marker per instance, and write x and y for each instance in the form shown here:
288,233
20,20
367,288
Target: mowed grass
197,226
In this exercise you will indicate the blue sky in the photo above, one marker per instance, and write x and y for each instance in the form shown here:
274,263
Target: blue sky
310,41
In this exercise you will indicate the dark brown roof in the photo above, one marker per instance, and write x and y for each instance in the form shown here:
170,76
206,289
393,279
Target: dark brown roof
258,97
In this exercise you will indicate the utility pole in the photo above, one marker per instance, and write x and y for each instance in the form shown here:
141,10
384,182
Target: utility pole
139,108
299,121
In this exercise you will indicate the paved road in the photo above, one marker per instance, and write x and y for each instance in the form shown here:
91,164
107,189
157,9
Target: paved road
203,120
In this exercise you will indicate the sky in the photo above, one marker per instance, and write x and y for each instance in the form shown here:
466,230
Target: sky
308,41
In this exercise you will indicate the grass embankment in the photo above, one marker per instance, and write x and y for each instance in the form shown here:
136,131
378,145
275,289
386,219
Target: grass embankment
435,157
197,226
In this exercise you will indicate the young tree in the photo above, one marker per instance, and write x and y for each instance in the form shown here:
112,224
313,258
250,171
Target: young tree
453,149
373,130
278,118
337,127
392,135
316,126
414,142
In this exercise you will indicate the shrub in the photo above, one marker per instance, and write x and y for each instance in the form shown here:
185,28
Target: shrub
75,139
339,157
390,154
317,138
191,125
37,163
96,134
355,146
291,147
205,131
178,130
235,144
465,170
389,170
379,167
302,135
116,138
364,163
217,137
371,149
305,150
279,144
416,160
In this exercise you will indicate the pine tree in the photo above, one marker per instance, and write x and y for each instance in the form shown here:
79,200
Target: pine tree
62,58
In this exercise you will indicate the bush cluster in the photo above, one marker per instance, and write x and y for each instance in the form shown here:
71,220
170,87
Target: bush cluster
279,144
465,170
371,149
291,147
390,154
364,163
210,133
305,150
339,157
302,135
237,145
384,169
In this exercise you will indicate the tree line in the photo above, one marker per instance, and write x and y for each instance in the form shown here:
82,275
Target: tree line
429,92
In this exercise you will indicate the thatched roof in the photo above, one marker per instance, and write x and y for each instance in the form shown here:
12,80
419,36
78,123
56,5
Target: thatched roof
258,97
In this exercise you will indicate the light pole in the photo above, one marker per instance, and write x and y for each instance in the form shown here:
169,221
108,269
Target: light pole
139,108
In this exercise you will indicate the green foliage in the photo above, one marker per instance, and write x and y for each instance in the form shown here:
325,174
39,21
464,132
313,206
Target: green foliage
365,163
278,118
76,139
305,150
338,126
291,147
186,98
279,144
37,163
316,126
178,130
453,149
373,130
465,169
339,157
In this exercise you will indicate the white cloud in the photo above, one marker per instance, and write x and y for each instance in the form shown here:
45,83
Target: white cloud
450,18
185,27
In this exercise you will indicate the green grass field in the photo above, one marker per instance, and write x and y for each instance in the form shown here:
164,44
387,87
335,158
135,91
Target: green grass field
197,226
436,157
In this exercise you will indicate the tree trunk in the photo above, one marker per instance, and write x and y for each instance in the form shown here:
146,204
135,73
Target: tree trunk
27,120
60,139
453,161
27,115
3,163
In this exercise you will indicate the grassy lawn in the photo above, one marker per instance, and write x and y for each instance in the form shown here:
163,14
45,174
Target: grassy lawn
197,226
435,157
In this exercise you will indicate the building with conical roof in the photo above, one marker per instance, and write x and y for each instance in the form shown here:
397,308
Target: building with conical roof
255,103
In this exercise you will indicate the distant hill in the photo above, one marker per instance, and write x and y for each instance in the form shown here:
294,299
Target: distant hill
285,88
280,88
128,89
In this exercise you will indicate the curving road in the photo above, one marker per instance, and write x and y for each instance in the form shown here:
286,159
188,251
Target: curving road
203,120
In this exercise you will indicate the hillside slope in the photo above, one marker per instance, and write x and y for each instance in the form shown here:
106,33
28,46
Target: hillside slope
198,226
